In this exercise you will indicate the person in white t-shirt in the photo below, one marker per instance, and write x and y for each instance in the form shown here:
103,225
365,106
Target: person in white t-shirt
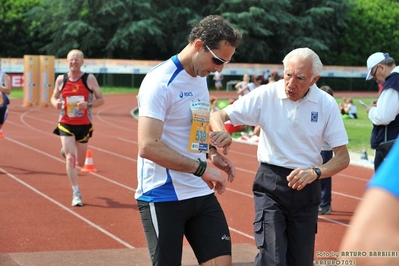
176,190
295,117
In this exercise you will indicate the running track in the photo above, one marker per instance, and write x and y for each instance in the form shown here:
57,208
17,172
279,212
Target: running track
35,195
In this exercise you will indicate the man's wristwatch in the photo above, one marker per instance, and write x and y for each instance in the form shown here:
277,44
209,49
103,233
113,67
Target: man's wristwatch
317,171
89,104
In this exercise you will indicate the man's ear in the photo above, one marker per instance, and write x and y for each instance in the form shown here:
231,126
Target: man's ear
315,79
198,45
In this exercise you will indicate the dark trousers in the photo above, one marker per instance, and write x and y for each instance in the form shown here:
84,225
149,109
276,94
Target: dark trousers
326,186
378,159
285,219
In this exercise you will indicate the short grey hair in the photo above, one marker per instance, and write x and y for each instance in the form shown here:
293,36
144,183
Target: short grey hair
306,53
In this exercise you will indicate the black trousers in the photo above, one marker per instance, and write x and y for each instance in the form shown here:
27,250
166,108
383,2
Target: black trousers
285,219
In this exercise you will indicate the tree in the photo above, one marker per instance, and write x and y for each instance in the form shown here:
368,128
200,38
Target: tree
371,28
101,28
273,28
17,38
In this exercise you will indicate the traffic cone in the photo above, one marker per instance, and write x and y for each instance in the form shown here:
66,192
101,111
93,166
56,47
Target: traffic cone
89,166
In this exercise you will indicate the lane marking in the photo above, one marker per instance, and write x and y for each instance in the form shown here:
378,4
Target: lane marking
117,239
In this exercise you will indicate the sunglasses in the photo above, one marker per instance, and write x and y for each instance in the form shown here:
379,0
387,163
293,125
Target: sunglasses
375,71
217,60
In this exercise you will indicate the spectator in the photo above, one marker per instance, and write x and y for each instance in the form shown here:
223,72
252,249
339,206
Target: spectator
242,84
350,108
384,115
326,183
251,86
218,77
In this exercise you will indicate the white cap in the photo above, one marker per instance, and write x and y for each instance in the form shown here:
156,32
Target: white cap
374,60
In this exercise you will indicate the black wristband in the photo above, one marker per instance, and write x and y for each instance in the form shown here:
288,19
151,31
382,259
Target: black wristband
201,168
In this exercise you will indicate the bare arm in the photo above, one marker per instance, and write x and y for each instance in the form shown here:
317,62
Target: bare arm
55,98
7,84
219,136
153,148
93,85
374,227
299,178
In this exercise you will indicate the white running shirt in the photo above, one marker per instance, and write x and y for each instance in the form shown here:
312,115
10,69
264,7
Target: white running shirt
166,94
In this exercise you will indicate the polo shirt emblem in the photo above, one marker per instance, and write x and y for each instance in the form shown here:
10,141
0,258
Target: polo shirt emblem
314,117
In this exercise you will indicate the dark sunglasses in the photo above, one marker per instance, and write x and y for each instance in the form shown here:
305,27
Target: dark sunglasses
217,60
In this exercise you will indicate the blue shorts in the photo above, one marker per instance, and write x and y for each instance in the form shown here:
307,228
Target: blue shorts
201,220
3,114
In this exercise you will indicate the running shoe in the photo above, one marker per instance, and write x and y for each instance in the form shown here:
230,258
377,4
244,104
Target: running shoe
325,210
77,199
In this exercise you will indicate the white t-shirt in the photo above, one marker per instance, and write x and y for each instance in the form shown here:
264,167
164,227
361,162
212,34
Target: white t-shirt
167,93
292,133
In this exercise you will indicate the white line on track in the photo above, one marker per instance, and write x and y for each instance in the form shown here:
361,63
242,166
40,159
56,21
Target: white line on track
117,239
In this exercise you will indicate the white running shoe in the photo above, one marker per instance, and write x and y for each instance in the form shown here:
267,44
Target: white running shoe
77,199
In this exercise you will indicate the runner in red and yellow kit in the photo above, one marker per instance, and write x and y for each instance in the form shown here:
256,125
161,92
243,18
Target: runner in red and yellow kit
75,93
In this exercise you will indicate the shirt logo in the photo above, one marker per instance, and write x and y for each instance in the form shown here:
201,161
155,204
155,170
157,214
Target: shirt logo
185,94
314,117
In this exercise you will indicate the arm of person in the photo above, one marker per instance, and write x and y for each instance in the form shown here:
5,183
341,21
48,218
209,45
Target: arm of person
387,108
240,91
55,100
7,84
222,163
219,136
299,178
151,147
93,85
374,227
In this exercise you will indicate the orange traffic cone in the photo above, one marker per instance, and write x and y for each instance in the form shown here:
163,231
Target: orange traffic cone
89,166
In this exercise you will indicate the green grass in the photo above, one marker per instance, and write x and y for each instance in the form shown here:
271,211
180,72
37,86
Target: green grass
19,93
359,130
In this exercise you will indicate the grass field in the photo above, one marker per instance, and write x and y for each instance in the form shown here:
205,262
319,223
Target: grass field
359,130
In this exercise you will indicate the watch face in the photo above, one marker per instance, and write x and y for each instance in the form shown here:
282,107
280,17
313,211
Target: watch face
318,172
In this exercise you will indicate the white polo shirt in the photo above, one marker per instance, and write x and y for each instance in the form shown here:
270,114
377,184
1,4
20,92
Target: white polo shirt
292,133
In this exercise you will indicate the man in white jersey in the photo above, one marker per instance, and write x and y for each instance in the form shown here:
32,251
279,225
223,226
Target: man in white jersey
295,117
175,190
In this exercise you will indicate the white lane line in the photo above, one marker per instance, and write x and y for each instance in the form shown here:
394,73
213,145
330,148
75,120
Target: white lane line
63,161
333,221
241,233
117,239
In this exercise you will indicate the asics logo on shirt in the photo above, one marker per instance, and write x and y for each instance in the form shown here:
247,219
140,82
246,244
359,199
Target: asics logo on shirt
185,94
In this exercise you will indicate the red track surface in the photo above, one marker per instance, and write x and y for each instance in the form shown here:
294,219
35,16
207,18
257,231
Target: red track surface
35,195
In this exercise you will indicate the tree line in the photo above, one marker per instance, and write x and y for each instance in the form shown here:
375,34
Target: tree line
342,32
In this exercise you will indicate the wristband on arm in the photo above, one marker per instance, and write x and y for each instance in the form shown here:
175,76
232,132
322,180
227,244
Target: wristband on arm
201,168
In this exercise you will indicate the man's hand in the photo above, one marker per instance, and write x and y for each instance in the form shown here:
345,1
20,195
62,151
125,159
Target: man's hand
299,178
214,179
221,139
223,164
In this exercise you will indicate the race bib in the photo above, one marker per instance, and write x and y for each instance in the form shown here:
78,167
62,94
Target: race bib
199,133
72,106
